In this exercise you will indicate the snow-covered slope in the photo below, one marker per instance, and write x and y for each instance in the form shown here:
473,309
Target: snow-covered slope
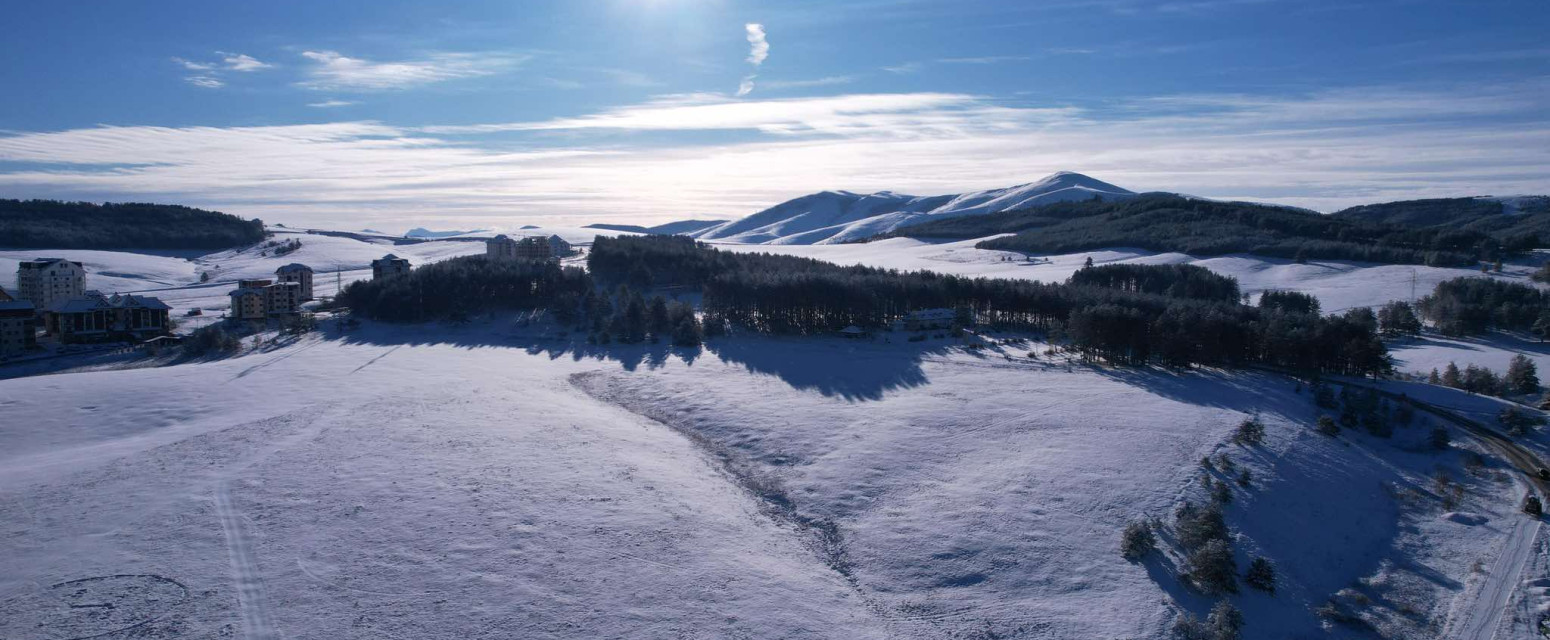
452,482
837,216
1338,284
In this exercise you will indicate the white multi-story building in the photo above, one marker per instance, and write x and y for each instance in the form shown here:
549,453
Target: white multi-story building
298,273
501,247
262,299
44,281
282,299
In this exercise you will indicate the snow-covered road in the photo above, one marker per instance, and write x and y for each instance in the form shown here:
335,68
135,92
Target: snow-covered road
1483,615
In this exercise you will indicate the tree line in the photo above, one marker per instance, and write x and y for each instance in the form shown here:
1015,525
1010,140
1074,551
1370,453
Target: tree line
54,224
1471,305
458,287
1132,315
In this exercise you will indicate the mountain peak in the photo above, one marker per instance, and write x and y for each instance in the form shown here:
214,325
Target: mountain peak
837,216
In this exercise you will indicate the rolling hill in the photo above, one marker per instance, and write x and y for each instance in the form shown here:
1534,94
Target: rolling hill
830,217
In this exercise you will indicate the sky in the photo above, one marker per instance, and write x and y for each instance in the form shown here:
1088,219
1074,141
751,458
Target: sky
389,115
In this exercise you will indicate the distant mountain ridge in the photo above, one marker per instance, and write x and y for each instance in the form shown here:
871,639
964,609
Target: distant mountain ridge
830,217
422,232
680,227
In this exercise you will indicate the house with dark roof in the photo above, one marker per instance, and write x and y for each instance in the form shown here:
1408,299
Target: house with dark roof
388,266
18,326
97,318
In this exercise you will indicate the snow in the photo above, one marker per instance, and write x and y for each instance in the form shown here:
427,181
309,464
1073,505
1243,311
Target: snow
836,216
496,479
109,271
352,489
1338,284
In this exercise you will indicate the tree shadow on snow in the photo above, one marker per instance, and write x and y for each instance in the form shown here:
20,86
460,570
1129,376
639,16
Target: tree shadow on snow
850,369
1243,391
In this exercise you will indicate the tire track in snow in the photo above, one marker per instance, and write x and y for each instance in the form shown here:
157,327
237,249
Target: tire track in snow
1484,615
257,624
252,602
1480,619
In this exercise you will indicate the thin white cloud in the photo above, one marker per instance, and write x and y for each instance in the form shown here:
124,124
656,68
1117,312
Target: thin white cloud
205,82
827,81
561,83
242,62
983,60
1325,151
193,66
209,75
758,47
629,78
903,69
330,104
888,114
746,86
334,71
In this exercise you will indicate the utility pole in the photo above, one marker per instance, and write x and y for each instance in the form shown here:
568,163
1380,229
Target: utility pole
1412,286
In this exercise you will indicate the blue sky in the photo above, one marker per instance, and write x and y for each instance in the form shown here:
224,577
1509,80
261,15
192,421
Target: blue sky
498,114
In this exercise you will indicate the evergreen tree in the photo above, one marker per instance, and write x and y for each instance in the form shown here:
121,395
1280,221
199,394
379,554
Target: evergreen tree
1226,621
1137,541
1261,575
1522,375
1250,432
1439,438
657,321
1541,326
1398,318
1212,568
1451,377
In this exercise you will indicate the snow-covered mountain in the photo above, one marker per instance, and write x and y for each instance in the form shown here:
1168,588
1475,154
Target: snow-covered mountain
831,217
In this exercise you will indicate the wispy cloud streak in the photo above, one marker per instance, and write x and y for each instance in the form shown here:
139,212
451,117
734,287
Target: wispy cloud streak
1324,150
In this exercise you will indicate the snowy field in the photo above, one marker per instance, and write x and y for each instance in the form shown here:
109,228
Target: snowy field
483,481
492,481
1339,285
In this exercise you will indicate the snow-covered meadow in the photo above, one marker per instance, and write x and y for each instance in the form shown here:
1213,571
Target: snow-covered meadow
495,479
498,479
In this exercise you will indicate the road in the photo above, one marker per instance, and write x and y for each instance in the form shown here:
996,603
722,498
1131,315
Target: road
1481,618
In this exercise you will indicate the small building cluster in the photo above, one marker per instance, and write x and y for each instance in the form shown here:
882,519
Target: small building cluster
94,317
258,300
51,293
503,247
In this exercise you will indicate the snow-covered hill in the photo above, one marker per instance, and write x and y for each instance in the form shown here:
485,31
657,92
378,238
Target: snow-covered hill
836,216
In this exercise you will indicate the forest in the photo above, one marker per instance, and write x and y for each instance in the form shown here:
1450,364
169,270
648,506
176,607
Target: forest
1465,306
1130,315
1517,230
53,224
1166,222
458,287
